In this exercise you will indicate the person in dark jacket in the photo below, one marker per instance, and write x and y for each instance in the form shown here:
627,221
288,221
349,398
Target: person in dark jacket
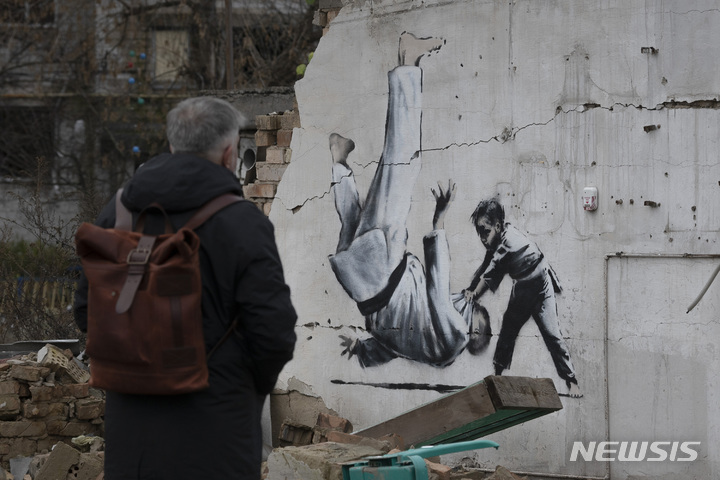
214,433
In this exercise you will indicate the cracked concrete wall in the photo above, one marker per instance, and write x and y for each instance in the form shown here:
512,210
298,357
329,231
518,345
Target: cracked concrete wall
533,101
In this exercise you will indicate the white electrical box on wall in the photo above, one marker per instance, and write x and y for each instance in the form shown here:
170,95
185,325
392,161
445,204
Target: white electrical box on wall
590,195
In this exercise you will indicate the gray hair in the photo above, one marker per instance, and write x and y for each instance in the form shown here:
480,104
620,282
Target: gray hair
202,124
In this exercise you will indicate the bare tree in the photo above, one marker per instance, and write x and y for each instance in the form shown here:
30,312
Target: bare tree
84,89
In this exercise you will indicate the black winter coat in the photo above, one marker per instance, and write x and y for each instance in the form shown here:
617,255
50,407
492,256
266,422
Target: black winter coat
214,433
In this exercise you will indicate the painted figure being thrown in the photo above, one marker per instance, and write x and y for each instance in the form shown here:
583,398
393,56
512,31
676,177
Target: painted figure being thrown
408,311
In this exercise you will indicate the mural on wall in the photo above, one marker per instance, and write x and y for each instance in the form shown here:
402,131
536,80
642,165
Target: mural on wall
509,252
408,308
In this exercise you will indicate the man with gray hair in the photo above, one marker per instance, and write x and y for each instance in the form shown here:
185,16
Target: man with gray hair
214,433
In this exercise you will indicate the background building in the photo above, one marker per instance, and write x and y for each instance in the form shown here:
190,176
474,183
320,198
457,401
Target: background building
85,85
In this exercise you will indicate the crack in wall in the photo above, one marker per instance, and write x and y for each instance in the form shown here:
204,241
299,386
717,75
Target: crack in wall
509,133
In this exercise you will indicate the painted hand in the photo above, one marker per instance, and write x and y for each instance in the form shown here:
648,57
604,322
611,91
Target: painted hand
349,345
469,295
443,198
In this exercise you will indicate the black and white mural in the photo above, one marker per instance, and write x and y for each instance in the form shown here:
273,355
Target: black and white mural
508,252
409,309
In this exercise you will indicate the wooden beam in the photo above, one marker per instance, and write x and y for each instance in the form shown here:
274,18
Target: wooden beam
523,393
496,403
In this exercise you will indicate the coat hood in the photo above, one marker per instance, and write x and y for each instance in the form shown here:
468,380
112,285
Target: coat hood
179,182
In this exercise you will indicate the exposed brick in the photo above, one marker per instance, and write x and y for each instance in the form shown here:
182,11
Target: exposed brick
24,390
334,422
58,464
9,405
29,373
295,434
22,428
9,386
290,120
42,393
75,429
260,153
441,471
89,467
266,208
320,18
54,427
270,172
260,190
331,14
45,409
277,154
264,138
89,408
77,390
267,122
284,137
18,447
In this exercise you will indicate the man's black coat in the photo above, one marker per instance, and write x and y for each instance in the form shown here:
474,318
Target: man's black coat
215,433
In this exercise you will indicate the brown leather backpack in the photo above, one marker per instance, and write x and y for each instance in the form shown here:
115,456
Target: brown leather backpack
145,332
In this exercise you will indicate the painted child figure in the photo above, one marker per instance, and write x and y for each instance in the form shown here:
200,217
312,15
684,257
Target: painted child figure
510,252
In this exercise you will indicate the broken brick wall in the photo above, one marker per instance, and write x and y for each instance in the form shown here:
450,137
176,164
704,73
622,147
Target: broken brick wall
36,411
273,153
274,134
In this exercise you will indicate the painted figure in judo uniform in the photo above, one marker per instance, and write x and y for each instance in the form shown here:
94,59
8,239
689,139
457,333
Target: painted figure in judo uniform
510,252
408,309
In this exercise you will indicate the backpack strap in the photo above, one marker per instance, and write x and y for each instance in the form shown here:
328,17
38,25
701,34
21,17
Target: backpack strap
205,212
138,258
137,261
123,217
211,208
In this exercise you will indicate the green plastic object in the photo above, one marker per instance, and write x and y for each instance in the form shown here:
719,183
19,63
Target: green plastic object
407,465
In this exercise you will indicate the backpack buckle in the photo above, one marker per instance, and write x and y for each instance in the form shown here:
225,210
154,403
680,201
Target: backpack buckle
138,256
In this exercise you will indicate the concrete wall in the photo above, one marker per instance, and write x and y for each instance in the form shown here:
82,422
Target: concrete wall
531,101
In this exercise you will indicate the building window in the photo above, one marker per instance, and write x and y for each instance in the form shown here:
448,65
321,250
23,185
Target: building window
171,53
26,144
28,12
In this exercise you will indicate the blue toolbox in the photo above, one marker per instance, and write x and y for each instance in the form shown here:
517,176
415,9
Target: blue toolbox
407,465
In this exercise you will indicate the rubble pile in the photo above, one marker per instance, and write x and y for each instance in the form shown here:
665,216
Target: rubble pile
318,453
46,403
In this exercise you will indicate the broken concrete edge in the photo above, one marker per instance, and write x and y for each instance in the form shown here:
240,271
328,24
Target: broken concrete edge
326,461
65,460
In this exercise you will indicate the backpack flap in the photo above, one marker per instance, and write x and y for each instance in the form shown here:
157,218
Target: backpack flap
144,310
137,263
145,332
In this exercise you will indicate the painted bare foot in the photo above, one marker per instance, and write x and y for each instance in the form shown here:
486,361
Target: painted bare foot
573,391
412,48
340,148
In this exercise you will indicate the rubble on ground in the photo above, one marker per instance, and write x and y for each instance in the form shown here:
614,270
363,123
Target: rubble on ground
48,411
318,453
51,427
